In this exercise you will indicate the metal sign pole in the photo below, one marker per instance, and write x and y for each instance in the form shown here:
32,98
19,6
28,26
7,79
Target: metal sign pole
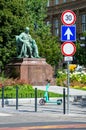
66,36
68,86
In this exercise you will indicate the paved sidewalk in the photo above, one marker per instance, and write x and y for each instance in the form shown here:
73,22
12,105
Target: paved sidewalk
47,113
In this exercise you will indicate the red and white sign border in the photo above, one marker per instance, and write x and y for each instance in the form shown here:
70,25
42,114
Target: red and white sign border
65,53
62,17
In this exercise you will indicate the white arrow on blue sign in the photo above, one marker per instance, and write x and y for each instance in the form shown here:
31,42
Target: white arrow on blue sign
68,33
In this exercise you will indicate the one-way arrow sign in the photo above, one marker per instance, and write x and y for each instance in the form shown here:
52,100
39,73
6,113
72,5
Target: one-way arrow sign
68,33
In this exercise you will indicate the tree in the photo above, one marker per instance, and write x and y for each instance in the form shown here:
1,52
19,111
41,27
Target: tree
13,18
15,15
48,46
80,54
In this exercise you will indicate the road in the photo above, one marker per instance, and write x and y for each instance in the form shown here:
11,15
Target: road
48,117
45,126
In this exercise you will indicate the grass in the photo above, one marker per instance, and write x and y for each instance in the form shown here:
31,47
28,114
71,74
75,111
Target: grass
79,88
25,91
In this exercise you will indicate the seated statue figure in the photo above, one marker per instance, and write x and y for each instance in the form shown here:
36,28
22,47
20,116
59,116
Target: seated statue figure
26,46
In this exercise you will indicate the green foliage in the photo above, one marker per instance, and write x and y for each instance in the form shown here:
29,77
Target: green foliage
47,44
61,79
13,18
76,79
15,15
80,88
24,92
80,54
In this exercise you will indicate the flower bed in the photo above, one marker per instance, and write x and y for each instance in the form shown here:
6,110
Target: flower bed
77,79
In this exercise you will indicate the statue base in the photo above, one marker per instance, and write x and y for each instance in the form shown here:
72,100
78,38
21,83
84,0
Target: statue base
34,71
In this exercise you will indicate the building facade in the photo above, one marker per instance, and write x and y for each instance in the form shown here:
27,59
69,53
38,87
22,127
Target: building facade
55,9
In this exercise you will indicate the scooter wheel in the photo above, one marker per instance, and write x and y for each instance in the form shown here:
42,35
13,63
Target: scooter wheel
59,101
42,102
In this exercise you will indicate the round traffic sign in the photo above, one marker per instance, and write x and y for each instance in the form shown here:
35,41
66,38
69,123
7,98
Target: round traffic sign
68,48
68,17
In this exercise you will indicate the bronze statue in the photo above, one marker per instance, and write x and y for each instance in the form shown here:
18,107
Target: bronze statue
26,46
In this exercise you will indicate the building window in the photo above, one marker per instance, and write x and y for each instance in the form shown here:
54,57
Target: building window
83,22
48,23
56,27
64,1
56,2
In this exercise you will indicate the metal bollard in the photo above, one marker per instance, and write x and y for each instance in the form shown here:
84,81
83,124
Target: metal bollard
64,101
16,97
2,96
35,99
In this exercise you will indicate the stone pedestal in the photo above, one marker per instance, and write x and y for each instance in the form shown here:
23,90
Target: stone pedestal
33,71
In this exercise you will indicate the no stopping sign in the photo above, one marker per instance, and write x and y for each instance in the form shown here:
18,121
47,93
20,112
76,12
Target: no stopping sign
68,48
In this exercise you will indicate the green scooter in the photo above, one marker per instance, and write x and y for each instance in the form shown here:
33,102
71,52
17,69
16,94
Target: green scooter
45,99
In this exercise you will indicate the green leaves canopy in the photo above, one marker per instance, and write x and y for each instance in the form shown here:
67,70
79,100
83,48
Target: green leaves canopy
47,44
15,15
13,18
